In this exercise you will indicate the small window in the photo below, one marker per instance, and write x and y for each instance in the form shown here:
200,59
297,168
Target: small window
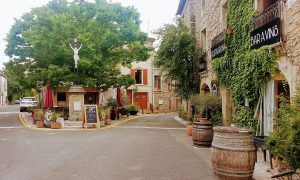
203,40
61,96
157,82
138,77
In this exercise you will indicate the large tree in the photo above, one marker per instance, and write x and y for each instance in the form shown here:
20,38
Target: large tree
38,44
177,56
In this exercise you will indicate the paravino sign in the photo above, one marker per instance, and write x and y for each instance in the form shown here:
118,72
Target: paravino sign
266,35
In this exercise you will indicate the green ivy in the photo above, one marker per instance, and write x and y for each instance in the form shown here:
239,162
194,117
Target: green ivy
241,69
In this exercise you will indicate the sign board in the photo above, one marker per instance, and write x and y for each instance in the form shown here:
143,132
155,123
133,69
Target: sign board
77,106
218,50
91,115
267,34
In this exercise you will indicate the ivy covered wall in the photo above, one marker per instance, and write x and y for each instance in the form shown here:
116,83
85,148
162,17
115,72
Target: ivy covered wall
242,70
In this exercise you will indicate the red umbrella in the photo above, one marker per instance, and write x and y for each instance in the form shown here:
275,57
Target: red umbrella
48,98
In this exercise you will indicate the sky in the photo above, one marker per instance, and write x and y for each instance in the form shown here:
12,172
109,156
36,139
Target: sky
154,13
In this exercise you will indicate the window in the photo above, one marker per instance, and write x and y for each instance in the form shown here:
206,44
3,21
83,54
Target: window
263,4
61,96
203,40
138,77
157,82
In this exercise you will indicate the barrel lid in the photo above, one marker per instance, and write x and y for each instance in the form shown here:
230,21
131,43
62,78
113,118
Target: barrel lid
232,129
202,123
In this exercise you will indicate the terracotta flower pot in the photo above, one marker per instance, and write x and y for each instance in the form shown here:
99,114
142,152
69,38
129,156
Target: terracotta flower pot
189,129
55,125
229,31
40,124
102,123
203,119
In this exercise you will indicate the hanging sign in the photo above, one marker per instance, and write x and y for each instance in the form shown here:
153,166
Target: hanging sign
218,50
267,34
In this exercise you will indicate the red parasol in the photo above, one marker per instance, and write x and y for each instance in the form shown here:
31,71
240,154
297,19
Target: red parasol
48,98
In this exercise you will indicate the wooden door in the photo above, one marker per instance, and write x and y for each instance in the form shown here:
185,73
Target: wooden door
141,100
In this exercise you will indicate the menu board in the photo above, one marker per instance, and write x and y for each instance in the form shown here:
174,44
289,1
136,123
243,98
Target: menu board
91,115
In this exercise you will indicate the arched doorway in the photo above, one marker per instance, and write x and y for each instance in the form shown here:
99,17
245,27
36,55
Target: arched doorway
205,89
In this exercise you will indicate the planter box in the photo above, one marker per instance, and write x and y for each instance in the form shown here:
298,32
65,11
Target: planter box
102,123
133,113
40,124
55,125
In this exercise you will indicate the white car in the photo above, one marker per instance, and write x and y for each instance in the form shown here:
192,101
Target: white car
27,102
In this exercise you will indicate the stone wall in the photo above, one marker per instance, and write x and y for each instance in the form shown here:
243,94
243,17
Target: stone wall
208,16
289,62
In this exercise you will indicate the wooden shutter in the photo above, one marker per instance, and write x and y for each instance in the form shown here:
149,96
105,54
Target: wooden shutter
132,73
145,76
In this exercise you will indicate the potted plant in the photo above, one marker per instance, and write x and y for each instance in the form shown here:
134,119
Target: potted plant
229,31
40,119
123,111
186,116
132,108
209,107
113,104
54,124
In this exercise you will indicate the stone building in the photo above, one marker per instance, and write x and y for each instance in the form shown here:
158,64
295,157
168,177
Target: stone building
207,19
3,89
151,92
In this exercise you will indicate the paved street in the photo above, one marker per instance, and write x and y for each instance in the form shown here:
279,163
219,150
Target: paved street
10,108
154,148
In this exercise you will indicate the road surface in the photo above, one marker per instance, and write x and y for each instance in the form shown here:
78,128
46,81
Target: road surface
149,148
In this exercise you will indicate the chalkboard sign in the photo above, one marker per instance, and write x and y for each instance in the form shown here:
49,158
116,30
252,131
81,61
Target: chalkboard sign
91,114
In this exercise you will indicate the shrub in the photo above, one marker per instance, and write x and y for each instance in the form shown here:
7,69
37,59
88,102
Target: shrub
185,115
209,106
284,142
131,107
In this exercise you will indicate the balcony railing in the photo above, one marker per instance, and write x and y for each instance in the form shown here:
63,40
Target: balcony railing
217,40
269,14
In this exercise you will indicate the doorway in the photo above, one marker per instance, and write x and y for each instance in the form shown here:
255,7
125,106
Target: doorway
91,98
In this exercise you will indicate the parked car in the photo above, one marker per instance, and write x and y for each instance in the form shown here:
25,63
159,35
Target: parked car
26,103
17,101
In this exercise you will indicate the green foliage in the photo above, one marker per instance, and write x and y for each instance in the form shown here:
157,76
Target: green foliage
284,142
241,69
38,44
131,107
208,106
177,58
184,115
113,103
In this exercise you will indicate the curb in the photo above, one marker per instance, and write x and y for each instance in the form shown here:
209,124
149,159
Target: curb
96,129
178,119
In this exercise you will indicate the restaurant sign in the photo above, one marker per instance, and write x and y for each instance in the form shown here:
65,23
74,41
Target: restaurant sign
218,46
266,35
218,50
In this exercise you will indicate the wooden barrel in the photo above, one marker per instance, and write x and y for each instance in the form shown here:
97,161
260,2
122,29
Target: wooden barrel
202,134
233,153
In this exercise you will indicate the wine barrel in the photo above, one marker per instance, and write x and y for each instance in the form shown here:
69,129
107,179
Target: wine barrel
202,134
233,153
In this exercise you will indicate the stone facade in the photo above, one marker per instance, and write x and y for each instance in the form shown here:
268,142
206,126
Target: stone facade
164,98
208,19
289,62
